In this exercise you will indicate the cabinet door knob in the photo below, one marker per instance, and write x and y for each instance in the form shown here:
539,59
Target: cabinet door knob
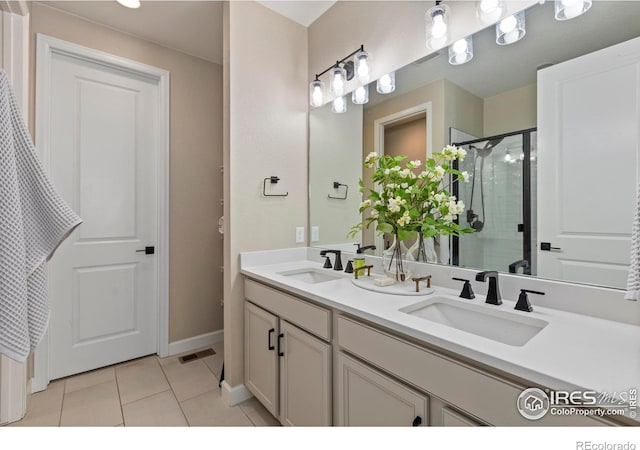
417,421
280,336
271,346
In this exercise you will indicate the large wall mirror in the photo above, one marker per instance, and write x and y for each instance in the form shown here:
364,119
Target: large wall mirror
553,172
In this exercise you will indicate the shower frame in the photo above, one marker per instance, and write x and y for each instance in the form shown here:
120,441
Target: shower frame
526,195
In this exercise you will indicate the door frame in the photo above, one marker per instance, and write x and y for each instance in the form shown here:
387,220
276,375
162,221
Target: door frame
46,47
378,140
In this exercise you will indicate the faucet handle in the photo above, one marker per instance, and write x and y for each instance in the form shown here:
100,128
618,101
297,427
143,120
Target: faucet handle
467,291
327,263
523,303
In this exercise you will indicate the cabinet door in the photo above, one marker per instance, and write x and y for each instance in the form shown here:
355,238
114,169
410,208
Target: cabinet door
367,397
305,367
260,356
451,418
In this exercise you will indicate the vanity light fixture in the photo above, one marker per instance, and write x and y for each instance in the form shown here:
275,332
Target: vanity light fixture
568,9
510,29
461,51
339,105
130,3
316,94
339,73
489,11
361,95
437,26
386,83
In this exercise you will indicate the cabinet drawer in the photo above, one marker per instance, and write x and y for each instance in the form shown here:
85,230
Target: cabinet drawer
451,418
314,319
480,394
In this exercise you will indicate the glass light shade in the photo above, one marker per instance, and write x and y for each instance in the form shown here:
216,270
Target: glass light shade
316,95
339,105
461,51
361,61
568,9
510,29
130,3
386,83
437,26
337,81
361,95
489,11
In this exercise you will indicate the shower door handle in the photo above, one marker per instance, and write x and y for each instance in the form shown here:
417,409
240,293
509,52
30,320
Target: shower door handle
546,246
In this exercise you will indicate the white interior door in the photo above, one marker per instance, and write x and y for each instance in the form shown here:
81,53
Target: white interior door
588,166
103,145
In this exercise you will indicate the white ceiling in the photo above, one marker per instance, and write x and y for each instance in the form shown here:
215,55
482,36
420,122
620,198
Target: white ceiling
305,12
192,27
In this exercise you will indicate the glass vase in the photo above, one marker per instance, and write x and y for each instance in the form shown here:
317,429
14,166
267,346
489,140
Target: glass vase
393,261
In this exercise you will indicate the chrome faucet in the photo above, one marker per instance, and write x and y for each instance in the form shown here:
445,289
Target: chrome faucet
338,263
493,294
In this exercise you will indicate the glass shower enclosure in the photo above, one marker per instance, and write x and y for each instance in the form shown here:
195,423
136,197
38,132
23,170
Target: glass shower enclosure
500,204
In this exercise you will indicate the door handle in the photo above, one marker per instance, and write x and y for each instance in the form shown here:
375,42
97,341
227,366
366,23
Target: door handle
147,250
546,246
280,336
271,346
417,421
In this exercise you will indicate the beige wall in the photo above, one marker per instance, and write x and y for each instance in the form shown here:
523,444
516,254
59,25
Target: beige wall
266,55
511,111
195,280
408,139
462,110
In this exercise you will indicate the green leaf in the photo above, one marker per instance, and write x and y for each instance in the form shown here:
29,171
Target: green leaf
384,227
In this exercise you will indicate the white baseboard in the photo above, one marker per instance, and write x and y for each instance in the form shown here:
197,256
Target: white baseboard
235,395
196,342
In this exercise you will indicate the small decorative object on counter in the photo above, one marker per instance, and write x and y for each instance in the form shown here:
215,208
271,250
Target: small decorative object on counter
406,201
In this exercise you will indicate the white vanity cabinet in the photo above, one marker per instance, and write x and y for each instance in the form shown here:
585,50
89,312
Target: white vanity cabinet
287,359
457,386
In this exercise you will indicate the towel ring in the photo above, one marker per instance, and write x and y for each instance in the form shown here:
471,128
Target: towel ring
337,185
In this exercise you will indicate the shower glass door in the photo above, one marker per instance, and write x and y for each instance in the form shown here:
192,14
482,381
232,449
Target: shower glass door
500,204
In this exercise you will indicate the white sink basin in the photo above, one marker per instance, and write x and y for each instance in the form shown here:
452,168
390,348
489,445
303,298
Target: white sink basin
479,319
312,276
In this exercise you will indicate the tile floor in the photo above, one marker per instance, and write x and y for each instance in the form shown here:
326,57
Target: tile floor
150,391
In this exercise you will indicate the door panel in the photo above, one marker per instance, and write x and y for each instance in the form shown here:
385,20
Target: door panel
368,398
305,378
589,156
261,357
103,147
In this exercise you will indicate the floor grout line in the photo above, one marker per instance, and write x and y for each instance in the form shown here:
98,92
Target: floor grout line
115,374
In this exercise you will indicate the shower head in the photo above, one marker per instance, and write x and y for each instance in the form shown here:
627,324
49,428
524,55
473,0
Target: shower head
488,147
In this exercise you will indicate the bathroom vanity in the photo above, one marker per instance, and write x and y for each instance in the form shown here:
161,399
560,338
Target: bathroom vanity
321,351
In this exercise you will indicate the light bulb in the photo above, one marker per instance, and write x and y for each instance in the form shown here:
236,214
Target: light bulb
339,105
488,6
361,95
386,83
337,81
460,46
508,25
439,28
316,95
362,66
507,157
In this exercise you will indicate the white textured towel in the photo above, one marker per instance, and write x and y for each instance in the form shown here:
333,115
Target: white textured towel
33,221
633,282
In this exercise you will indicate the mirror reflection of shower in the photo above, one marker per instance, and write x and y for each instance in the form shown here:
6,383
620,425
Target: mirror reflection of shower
500,204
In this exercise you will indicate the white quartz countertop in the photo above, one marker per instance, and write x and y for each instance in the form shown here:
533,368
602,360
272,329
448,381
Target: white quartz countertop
573,352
